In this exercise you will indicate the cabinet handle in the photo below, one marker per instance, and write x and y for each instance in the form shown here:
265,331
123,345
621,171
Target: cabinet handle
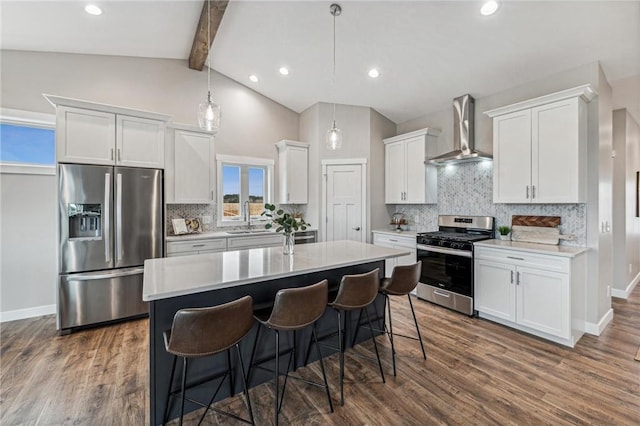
533,192
517,278
514,258
438,293
119,156
511,277
112,153
288,197
197,245
395,241
527,192
211,195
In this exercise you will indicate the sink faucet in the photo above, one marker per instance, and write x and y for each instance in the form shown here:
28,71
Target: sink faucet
247,213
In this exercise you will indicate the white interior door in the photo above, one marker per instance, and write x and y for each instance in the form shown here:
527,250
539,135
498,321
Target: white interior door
344,202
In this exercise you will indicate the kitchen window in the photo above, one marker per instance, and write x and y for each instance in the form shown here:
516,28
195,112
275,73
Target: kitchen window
27,142
243,182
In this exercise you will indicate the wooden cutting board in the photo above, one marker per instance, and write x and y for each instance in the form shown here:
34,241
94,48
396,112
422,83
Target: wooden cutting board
538,234
541,221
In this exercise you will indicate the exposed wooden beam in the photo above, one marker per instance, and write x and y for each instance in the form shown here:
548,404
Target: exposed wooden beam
201,46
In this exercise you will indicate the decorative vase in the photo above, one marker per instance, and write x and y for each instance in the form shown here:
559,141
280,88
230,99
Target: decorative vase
288,244
504,237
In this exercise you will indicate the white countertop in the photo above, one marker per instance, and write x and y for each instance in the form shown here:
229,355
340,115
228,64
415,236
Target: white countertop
407,234
566,251
182,275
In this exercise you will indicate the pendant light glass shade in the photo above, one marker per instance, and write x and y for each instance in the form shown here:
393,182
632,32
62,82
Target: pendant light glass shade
209,115
334,137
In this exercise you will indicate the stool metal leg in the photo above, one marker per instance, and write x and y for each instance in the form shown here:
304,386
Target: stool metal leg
341,350
166,403
393,350
184,384
276,371
244,383
424,354
375,345
324,375
231,387
253,354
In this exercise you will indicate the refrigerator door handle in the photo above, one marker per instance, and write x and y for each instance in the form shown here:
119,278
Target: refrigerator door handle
107,216
90,276
119,251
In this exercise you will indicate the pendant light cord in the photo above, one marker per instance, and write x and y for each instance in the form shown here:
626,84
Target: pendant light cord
209,50
334,12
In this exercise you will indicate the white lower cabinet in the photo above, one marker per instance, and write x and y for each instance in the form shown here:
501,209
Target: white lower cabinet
185,248
536,293
398,242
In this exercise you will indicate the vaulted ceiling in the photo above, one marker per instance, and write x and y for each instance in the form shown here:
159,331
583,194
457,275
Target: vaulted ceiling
427,52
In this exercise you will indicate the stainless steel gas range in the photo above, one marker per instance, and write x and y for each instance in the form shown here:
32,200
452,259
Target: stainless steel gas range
447,260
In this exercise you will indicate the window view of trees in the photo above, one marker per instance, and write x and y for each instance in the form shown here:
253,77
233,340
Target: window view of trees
238,180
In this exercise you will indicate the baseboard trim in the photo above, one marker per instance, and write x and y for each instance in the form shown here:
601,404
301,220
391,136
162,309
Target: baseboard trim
624,294
597,328
18,314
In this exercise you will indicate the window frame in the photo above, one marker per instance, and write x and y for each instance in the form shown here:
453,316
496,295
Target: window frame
244,163
36,120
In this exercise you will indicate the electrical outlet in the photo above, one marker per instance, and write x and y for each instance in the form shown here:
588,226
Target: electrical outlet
206,220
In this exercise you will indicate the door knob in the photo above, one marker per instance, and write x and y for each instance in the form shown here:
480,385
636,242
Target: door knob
357,228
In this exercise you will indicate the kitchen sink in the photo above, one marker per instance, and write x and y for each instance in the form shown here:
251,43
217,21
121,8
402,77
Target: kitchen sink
246,231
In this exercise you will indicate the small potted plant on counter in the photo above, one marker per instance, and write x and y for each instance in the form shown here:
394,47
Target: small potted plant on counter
504,233
286,223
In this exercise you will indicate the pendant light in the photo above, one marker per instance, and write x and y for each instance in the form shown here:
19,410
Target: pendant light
334,135
208,112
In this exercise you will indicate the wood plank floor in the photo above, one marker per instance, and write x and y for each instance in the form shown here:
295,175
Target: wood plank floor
476,372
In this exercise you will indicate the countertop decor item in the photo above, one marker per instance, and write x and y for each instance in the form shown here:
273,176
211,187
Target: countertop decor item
285,223
503,233
539,234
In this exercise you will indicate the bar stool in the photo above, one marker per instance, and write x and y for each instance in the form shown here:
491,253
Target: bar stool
293,309
202,332
356,292
404,279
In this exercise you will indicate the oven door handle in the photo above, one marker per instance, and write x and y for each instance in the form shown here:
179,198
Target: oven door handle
453,252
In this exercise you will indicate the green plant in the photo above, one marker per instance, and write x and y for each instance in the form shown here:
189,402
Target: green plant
285,221
504,230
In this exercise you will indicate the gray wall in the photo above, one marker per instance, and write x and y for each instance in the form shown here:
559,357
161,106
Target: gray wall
28,261
626,232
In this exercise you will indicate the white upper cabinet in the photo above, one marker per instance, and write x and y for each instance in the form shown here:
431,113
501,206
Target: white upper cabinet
407,179
190,171
90,133
293,172
539,149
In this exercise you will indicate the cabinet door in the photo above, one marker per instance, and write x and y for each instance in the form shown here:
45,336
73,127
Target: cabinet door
394,173
140,142
512,158
415,171
192,174
543,301
293,178
85,136
557,157
495,289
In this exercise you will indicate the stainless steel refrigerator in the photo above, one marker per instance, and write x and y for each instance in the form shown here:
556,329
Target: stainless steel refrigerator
111,220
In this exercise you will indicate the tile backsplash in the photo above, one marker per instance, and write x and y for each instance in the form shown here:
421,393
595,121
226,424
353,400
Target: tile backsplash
467,189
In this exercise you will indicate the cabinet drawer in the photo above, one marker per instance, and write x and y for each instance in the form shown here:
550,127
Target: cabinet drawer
237,243
211,246
520,258
392,240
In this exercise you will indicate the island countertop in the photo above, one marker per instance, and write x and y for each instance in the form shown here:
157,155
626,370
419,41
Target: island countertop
183,275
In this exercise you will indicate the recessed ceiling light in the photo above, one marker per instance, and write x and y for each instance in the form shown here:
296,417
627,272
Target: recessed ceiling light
489,7
253,78
374,73
92,9
284,70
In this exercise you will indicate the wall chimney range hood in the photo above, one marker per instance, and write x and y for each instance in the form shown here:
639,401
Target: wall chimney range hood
463,135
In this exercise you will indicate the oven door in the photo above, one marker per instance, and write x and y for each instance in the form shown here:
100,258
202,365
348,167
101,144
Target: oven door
447,269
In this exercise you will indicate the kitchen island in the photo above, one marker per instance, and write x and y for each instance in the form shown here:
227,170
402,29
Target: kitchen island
211,279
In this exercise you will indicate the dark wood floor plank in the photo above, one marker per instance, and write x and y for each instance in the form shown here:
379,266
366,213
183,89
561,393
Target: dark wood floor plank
476,372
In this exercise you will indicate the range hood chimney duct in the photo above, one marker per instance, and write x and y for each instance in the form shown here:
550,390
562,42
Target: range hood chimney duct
463,135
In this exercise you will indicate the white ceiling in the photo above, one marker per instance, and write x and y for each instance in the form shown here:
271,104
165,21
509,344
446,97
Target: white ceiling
428,52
